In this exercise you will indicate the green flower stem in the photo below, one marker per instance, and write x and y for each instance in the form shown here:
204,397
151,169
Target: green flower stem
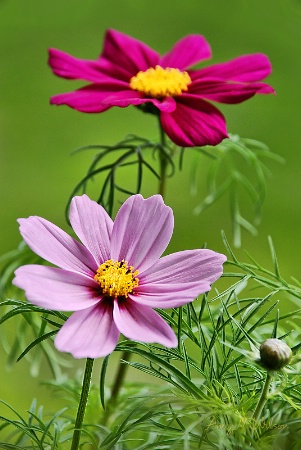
263,397
119,376
163,163
82,404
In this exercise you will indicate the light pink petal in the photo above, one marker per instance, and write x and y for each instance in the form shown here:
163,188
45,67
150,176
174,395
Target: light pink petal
141,323
53,244
194,122
123,56
90,333
126,98
245,68
66,66
228,92
90,98
187,52
179,278
93,226
141,231
56,289
188,266
170,295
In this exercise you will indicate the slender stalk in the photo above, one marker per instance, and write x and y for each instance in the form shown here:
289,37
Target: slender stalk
82,404
119,376
263,397
163,163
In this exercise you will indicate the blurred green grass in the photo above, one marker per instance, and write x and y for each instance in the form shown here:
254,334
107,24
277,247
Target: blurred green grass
36,140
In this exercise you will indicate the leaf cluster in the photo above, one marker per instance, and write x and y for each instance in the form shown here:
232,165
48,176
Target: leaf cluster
237,171
109,162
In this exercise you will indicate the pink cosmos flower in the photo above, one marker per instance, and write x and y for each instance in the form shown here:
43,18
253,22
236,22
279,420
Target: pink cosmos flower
128,72
115,277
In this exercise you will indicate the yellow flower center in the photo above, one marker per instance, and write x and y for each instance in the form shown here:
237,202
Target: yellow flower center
116,279
158,82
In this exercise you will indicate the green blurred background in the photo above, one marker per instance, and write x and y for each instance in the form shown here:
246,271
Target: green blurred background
36,139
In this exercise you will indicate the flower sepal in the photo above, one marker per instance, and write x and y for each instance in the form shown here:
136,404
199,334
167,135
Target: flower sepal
149,108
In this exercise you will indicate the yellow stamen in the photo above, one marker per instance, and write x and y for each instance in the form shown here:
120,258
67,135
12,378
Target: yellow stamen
116,279
158,82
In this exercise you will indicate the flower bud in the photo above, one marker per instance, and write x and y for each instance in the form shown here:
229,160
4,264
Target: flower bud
274,354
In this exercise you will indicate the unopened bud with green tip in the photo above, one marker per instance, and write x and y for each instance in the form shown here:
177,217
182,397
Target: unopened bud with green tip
274,354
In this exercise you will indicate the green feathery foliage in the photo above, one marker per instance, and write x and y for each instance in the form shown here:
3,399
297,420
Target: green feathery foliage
237,169
210,385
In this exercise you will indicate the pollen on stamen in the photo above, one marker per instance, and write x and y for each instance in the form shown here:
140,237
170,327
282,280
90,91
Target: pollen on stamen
116,278
158,82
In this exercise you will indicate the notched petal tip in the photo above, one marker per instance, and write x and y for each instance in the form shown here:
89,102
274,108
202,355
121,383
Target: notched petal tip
187,52
92,225
141,231
56,246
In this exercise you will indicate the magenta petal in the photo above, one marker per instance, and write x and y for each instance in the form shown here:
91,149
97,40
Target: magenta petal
228,92
66,66
123,56
187,52
167,104
245,68
56,289
141,323
194,122
93,226
90,98
141,231
90,333
124,99
53,244
129,97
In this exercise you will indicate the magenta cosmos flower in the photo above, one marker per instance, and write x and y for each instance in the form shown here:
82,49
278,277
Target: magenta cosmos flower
128,72
115,277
